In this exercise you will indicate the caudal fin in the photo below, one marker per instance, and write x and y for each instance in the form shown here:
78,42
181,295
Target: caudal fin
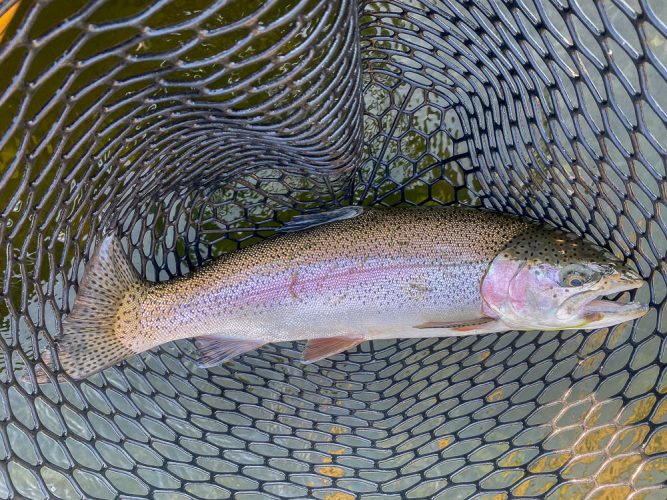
106,307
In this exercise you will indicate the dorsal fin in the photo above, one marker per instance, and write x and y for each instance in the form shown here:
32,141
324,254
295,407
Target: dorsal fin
301,222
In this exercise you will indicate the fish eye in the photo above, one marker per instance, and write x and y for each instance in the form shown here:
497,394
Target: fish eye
576,275
574,280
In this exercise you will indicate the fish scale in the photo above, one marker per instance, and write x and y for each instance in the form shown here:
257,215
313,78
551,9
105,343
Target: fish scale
367,274
340,278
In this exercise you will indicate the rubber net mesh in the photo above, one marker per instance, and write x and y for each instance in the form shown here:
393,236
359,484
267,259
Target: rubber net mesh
193,128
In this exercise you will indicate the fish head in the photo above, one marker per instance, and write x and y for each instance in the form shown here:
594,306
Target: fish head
547,279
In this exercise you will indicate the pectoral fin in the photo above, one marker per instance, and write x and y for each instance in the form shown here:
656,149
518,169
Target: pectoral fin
215,349
317,349
457,326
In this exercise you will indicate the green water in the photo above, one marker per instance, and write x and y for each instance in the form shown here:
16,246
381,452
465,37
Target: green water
407,165
226,222
407,175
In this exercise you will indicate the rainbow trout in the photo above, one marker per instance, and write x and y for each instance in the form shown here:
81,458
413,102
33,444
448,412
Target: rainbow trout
363,275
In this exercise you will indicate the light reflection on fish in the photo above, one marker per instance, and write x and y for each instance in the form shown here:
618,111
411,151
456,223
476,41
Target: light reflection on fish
366,274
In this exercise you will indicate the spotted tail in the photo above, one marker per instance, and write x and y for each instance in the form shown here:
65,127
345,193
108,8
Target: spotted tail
106,311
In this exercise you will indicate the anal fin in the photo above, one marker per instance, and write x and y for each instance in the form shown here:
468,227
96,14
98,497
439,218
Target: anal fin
214,350
317,349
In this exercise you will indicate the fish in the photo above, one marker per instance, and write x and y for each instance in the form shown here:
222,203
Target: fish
349,276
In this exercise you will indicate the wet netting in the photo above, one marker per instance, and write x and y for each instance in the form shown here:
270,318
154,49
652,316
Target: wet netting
194,127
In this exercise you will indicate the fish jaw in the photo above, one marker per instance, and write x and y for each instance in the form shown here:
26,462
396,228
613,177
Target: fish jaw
599,312
604,313
590,310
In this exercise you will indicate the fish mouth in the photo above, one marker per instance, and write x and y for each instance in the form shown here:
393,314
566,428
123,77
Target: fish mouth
602,306
600,312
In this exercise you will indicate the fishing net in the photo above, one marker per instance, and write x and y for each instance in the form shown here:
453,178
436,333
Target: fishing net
192,128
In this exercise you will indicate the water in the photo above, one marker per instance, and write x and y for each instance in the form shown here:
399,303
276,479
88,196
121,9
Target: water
212,434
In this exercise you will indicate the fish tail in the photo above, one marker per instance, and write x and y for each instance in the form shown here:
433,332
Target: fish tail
106,311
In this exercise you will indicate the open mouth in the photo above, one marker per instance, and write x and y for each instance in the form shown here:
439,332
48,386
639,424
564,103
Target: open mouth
613,307
599,308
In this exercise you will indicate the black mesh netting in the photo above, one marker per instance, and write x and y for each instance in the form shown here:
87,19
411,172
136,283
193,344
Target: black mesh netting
195,127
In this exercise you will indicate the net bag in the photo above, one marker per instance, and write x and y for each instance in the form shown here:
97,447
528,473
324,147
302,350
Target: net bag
192,128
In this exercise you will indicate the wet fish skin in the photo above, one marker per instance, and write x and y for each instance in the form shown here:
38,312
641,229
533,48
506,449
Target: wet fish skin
384,270
387,273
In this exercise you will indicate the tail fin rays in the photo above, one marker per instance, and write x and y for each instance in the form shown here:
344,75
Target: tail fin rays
107,303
